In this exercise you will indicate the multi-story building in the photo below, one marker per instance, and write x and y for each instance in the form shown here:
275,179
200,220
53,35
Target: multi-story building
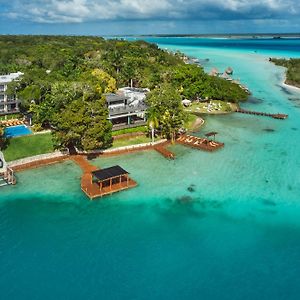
9,103
127,107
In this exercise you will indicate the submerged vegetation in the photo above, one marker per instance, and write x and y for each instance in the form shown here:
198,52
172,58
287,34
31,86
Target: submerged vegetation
293,69
65,78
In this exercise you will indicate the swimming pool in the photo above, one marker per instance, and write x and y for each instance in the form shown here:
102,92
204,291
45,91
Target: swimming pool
18,130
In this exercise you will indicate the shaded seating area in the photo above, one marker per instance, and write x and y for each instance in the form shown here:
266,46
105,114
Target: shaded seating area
106,181
200,143
110,176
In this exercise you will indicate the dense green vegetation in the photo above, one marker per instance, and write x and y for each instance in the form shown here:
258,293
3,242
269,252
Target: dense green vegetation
3,140
293,69
26,146
166,111
11,116
65,78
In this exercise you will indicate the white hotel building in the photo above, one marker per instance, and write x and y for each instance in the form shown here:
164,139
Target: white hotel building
8,103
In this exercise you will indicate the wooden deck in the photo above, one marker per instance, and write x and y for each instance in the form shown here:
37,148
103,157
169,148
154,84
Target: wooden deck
161,148
199,143
249,112
92,189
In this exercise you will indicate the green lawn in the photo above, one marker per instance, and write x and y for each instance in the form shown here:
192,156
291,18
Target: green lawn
212,107
190,121
130,130
26,146
131,141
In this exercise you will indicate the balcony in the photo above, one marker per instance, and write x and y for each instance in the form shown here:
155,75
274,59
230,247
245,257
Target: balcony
126,110
12,100
9,111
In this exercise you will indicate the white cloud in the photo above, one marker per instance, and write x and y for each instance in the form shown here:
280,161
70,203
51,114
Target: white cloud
76,11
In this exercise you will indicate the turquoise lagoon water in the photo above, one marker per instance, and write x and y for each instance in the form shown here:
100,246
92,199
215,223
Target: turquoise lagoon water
205,226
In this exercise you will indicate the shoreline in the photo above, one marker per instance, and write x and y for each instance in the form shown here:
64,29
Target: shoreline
43,160
199,122
291,87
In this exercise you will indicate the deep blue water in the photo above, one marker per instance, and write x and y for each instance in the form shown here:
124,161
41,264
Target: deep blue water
107,250
234,235
18,130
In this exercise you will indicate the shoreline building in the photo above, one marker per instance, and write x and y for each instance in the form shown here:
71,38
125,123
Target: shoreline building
9,104
127,108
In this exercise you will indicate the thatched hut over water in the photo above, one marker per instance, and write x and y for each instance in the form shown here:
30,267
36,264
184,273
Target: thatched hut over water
214,72
229,71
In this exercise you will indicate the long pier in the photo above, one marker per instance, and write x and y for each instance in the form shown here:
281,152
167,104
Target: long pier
199,143
274,116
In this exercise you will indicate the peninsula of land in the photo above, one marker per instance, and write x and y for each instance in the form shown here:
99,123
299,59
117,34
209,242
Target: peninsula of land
292,70
89,93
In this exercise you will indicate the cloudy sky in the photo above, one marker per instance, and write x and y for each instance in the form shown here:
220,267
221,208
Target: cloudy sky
104,17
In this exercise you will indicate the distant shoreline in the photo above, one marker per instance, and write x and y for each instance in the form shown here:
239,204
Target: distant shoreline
228,36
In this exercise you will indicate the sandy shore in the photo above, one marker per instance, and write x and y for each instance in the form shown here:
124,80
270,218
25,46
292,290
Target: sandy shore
291,87
197,124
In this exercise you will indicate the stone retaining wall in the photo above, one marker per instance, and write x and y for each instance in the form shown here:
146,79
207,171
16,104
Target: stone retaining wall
36,158
58,156
123,149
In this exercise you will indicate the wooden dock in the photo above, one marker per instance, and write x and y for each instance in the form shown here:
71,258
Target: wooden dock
7,177
92,189
249,112
161,148
199,143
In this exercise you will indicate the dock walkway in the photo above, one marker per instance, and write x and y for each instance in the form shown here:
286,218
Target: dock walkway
161,148
199,143
249,112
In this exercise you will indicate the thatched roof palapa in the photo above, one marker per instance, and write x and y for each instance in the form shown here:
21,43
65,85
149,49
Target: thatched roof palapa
229,71
214,72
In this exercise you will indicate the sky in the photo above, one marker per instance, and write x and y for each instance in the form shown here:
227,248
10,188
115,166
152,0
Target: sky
124,17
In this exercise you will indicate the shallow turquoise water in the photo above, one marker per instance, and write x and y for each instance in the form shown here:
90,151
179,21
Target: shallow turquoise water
211,226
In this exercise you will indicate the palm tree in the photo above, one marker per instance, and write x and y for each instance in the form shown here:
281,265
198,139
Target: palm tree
152,121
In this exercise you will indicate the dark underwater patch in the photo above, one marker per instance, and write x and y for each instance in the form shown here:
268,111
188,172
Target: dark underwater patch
285,90
268,129
294,128
293,99
191,188
268,202
184,199
254,100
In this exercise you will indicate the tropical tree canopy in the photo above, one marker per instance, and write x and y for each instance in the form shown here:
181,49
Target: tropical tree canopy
83,124
165,106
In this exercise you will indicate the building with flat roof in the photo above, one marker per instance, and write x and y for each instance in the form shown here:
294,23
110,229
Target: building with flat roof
127,108
8,103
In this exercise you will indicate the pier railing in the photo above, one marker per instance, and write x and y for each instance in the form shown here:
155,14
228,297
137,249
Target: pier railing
257,113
